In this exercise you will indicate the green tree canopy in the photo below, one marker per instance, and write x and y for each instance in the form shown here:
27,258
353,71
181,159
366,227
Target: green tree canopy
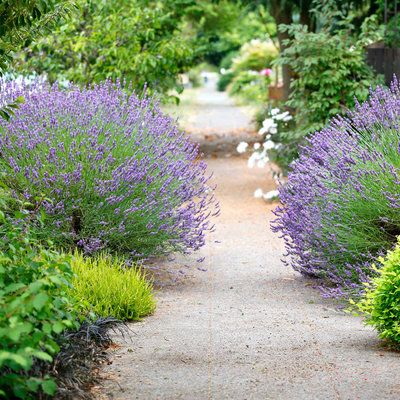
21,21
139,41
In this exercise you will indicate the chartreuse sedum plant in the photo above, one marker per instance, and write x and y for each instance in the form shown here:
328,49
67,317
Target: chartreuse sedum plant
106,286
380,303
341,205
113,170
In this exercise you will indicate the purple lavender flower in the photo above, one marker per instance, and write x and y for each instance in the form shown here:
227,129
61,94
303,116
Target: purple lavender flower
341,205
114,170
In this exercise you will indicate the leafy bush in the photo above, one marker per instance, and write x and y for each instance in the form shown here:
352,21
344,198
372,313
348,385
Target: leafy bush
115,171
341,205
249,76
329,72
224,80
250,86
381,301
227,61
255,55
35,309
108,287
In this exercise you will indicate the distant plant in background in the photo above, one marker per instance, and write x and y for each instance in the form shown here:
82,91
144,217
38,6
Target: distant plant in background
255,56
250,86
340,205
226,73
114,170
107,286
227,25
35,309
380,303
225,78
248,71
391,10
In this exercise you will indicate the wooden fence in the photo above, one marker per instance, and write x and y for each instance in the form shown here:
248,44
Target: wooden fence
385,61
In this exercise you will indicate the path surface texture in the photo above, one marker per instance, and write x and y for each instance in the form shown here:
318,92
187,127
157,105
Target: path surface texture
248,327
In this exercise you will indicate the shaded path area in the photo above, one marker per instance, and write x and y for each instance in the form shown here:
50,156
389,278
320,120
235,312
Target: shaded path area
248,327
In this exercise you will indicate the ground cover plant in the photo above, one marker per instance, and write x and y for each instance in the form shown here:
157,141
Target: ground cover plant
381,302
107,286
340,205
82,352
111,169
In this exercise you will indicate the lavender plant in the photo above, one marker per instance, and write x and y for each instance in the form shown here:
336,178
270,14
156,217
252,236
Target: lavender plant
340,206
110,168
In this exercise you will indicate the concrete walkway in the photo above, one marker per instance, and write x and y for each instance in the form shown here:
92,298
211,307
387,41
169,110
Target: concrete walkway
248,327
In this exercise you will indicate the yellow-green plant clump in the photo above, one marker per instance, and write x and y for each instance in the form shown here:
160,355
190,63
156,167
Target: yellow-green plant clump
106,286
381,301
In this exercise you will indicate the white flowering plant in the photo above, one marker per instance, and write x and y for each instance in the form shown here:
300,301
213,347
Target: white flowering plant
266,152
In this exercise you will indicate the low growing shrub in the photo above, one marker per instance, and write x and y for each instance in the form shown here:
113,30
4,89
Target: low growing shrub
381,301
340,206
35,310
114,170
108,287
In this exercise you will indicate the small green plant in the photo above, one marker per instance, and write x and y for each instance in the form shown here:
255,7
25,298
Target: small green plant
35,309
106,286
380,303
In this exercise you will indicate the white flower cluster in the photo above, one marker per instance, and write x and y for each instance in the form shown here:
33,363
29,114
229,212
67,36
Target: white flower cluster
242,147
269,127
269,196
259,157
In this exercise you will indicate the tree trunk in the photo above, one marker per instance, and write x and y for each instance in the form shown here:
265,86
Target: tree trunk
283,15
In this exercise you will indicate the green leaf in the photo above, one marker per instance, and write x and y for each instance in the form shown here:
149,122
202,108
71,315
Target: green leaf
40,300
49,387
58,327
42,355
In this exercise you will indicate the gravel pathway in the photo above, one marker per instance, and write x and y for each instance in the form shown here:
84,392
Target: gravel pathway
248,327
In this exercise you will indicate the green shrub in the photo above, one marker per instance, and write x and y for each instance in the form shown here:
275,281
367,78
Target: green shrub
34,309
106,286
381,301
226,62
329,72
250,86
255,55
224,80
